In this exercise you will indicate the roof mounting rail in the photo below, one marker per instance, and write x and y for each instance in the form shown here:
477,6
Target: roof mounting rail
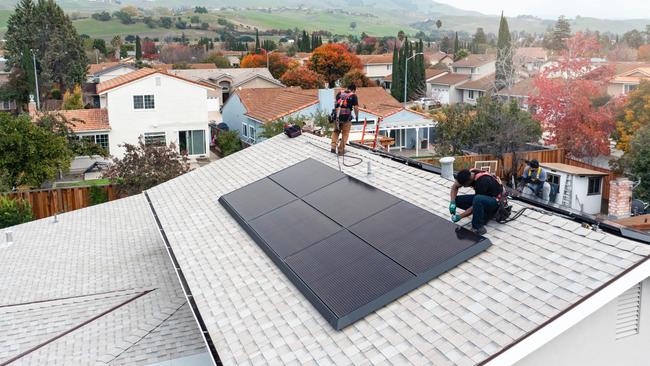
606,226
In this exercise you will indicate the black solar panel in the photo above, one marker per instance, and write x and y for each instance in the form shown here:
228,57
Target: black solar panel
349,247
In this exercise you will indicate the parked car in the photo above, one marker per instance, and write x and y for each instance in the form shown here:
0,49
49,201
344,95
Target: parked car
427,103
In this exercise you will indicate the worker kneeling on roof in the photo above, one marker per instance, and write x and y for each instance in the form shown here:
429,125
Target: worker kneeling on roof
483,205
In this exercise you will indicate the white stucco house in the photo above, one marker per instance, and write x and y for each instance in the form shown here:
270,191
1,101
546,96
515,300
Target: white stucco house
377,67
628,81
443,88
475,65
98,73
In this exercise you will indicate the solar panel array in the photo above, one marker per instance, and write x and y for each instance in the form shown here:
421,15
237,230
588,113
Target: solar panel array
350,248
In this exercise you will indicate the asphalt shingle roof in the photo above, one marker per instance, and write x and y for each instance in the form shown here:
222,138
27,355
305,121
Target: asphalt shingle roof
106,258
537,267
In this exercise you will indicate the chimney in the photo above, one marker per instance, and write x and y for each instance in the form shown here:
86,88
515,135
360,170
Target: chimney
620,198
447,167
31,106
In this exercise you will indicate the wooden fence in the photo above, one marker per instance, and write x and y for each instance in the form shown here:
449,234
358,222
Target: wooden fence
47,202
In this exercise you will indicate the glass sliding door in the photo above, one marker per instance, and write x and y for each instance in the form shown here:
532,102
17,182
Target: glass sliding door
192,142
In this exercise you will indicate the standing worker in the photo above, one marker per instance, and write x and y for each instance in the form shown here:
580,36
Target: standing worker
534,177
483,205
346,102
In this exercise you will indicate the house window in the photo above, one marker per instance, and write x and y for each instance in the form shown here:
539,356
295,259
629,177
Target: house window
251,132
100,139
629,87
553,179
192,142
480,94
143,102
244,130
471,94
388,67
593,186
6,105
155,138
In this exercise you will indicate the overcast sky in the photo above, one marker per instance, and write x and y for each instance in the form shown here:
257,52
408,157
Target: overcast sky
608,9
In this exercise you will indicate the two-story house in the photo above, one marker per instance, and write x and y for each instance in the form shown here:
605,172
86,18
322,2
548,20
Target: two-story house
98,73
377,67
475,65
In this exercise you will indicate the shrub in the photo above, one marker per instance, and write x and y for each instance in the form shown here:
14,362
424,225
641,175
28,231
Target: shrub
228,142
14,212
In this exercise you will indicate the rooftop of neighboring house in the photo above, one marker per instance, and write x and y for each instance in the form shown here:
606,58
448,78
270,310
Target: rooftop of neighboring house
386,58
378,101
168,67
449,79
436,56
94,286
270,104
475,60
235,76
632,76
574,170
97,69
530,54
522,88
483,84
85,120
139,74
541,269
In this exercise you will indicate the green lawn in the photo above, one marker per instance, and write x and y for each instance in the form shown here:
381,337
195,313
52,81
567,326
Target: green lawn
83,183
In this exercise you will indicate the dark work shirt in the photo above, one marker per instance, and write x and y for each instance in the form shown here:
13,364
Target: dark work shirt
352,100
487,186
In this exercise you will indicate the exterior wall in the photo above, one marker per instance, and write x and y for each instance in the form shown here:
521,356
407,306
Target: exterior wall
466,96
591,204
477,72
592,341
439,92
115,73
377,70
464,70
179,106
257,83
615,90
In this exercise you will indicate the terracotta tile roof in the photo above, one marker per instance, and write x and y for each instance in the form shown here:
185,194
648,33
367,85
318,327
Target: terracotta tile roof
204,66
484,83
386,58
522,88
529,54
95,68
378,101
139,74
87,119
269,104
474,61
437,56
624,67
449,79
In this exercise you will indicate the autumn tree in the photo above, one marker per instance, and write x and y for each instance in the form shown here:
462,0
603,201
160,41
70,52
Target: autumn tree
333,60
304,78
569,103
218,59
146,165
644,53
356,77
634,114
278,64
74,99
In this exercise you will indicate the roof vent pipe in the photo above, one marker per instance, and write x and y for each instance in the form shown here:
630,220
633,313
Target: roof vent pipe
9,237
447,167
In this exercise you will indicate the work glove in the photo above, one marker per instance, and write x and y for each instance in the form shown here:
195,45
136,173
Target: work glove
452,207
456,218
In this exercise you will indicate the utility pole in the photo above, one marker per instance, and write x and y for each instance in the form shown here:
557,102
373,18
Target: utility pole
97,55
406,76
38,98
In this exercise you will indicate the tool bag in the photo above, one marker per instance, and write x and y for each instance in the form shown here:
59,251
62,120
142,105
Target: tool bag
292,131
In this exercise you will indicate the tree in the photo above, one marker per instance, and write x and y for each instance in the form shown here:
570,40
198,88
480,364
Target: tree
103,16
29,154
356,77
644,53
634,115
269,45
100,45
276,127
569,101
116,42
438,24
14,212
504,71
166,22
561,33
194,19
200,10
353,25
333,60
59,125
479,41
456,46
637,162
445,45
634,38
145,166
303,77
44,28
218,59
257,41
138,48
124,17
228,142
396,85
74,99
278,64
454,130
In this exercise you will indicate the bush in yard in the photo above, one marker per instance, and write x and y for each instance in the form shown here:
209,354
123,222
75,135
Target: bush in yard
228,142
14,212
97,195
145,166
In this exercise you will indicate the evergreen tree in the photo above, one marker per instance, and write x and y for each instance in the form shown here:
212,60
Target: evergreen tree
396,87
44,28
561,33
478,41
504,69
257,41
138,48
445,45
456,45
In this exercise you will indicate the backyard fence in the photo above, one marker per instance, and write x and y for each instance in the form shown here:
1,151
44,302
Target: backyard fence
47,202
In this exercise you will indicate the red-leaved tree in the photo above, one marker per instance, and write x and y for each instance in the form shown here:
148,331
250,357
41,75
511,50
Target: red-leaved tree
571,103
278,64
333,60
303,77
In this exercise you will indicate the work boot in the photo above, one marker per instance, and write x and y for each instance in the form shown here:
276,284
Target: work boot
333,151
480,231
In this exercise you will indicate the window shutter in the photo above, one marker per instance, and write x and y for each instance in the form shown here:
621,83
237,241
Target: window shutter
628,312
